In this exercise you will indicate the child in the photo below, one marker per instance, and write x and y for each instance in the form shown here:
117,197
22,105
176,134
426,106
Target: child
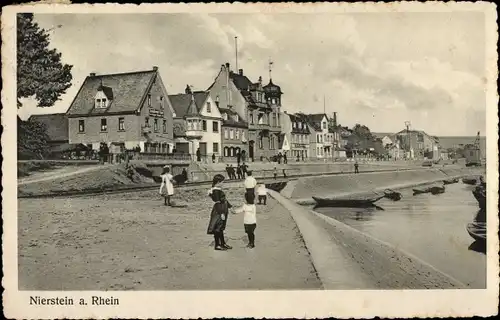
219,214
262,193
249,219
275,173
167,186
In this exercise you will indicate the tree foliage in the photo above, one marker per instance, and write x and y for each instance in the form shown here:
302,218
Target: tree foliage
40,73
32,140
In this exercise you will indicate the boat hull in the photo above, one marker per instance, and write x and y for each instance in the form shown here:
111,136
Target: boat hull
477,231
345,203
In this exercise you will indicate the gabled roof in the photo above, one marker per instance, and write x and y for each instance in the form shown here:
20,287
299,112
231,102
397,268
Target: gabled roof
230,122
56,125
184,105
297,119
128,92
240,81
314,120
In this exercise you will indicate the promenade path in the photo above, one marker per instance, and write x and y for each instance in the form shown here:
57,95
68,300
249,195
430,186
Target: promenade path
61,172
132,242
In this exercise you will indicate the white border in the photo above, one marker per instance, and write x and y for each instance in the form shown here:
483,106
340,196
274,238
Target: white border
275,304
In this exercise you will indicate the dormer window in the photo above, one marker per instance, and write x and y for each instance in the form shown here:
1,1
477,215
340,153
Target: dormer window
224,116
101,99
236,118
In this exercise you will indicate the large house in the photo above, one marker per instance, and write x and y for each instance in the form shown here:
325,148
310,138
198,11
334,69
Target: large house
197,124
258,105
418,144
322,141
128,109
234,134
297,132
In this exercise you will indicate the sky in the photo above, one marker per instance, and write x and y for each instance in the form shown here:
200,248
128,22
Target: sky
376,69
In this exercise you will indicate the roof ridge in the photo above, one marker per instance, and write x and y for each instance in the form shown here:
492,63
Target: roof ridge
122,73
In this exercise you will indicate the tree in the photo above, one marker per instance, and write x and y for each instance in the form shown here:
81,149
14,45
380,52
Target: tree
40,73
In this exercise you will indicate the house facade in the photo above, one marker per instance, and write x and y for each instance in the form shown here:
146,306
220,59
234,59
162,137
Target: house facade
234,135
126,109
258,105
324,139
417,144
198,124
297,132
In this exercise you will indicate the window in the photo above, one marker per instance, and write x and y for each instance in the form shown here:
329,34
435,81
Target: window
237,134
271,142
103,103
204,125
236,118
275,124
215,126
81,125
156,125
226,134
164,126
231,134
209,107
251,117
98,103
121,124
261,143
149,100
216,147
224,116
161,101
146,122
242,135
273,101
324,125
317,138
104,125
190,124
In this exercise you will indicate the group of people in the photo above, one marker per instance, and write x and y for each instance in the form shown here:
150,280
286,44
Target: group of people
238,172
280,157
222,207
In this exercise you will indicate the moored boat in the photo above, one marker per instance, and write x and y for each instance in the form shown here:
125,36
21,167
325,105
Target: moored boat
477,231
346,203
479,193
421,190
470,180
437,190
393,195
450,181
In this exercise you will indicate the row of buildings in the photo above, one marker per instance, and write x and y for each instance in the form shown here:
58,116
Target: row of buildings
233,116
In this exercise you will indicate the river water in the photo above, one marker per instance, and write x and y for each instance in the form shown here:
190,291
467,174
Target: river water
431,227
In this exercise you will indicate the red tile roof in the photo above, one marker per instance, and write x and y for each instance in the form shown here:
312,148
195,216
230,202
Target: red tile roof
127,91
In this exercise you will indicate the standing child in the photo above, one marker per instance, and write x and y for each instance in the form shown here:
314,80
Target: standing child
219,214
275,173
262,193
167,186
249,219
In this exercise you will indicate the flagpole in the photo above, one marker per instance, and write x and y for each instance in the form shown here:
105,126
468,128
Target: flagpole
236,47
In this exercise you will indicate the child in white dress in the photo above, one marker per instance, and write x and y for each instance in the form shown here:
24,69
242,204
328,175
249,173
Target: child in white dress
167,185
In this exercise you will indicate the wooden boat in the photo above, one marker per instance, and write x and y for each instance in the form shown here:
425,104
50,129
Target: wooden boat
421,190
477,231
393,195
450,181
470,180
346,203
276,186
479,193
437,190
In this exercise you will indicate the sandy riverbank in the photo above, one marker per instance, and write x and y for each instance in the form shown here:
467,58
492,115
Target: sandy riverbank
132,242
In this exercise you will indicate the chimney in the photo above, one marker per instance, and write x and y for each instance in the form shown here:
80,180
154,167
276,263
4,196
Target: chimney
155,68
222,66
240,72
188,89
92,74
260,79
335,119
228,66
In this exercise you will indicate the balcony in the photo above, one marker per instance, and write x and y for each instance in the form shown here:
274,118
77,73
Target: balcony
259,126
194,134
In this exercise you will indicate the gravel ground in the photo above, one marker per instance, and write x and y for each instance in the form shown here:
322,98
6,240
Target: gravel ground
132,242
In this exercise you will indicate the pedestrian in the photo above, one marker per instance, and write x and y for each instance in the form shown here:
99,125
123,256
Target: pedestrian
238,172
249,219
219,214
250,184
198,155
285,160
228,171
244,170
284,173
185,174
262,193
213,157
238,158
279,157
356,166
275,173
167,186
232,172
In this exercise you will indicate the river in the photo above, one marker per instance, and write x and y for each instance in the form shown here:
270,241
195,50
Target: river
431,227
